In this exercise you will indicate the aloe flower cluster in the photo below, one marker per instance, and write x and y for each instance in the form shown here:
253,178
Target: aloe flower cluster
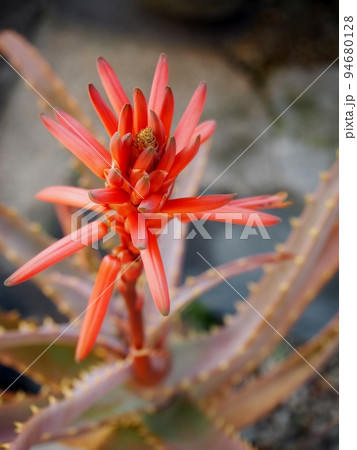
152,381
139,173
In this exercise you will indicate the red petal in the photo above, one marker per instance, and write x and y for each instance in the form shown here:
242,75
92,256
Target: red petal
167,109
77,128
108,195
125,120
140,112
157,177
105,114
95,160
155,275
151,203
144,159
191,116
157,128
160,80
238,216
183,158
205,130
114,177
112,86
168,157
196,204
135,175
137,228
120,150
66,246
263,201
97,305
68,195
141,190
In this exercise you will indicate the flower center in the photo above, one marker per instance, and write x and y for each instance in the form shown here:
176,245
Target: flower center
145,138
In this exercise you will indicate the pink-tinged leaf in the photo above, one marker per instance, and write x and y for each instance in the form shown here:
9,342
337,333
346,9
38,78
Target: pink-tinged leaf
104,112
87,392
183,158
125,120
181,425
97,305
159,83
47,333
59,250
140,120
112,86
244,406
167,109
205,130
196,204
275,303
199,285
79,130
70,196
155,274
108,195
17,409
95,160
20,240
29,62
190,117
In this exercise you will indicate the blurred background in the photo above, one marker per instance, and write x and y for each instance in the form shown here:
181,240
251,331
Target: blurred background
257,58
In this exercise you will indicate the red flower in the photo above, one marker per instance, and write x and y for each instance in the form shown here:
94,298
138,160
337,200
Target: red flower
139,173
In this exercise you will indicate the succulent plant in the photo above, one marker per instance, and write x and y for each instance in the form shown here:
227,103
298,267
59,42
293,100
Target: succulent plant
175,387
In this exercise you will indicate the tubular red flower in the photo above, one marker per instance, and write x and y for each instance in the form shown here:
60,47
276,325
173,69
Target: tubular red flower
140,120
68,195
97,305
155,274
59,250
159,83
126,120
137,229
108,195
235,215
151,203
141,190
104,112
166,112
183,158
96,161
191,116
169,156
76,127
196,204
144,159
112,86
263,201
157,128
205,130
